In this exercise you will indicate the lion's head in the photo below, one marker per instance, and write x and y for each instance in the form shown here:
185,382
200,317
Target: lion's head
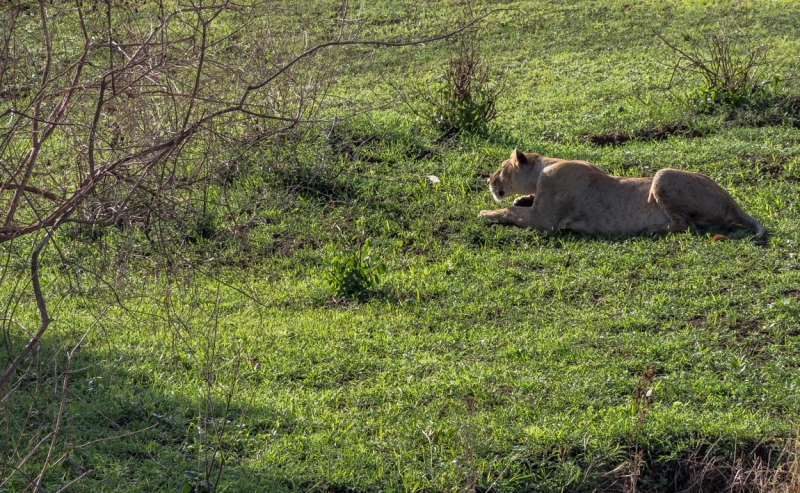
517,175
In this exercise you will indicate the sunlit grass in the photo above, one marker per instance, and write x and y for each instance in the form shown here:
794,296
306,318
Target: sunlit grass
486,355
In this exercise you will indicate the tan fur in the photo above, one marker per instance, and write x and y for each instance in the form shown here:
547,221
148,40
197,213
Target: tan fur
580,196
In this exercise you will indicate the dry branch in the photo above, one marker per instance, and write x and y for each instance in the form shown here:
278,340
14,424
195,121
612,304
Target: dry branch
112,120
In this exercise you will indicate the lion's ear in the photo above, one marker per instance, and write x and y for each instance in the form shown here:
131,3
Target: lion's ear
519,157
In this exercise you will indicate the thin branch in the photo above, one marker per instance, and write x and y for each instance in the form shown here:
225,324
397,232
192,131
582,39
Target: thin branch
36,139
79,478
89,184
199,71
329,44
40,304
30,189
93,128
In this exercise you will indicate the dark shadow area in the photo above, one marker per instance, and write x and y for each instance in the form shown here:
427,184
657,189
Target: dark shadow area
317,183
652,134
116,430
713,234
122,427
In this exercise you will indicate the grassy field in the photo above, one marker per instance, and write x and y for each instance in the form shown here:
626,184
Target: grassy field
485,357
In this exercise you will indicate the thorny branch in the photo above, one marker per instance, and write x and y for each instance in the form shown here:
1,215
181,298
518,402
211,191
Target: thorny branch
98,133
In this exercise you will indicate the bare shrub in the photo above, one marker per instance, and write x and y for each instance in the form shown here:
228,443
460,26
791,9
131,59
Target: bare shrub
732,68
134,117
465,98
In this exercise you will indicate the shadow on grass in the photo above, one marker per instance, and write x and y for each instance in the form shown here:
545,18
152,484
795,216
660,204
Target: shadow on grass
115,426
125,426
726,233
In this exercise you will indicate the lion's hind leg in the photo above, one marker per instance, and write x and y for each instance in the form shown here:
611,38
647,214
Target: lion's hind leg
673,199
695,200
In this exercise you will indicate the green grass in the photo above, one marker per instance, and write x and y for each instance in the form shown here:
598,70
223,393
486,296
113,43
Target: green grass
487,356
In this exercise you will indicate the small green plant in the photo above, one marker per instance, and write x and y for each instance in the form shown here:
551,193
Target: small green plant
193,484
354,274
465,100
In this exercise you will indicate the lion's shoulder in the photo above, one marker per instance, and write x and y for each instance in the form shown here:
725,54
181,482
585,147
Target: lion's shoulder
566,171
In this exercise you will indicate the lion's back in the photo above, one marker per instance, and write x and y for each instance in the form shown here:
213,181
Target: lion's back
592,201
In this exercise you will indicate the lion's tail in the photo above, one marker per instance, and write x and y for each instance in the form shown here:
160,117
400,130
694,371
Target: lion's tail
751,223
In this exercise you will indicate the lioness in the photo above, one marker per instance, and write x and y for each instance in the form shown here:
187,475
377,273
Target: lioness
580,196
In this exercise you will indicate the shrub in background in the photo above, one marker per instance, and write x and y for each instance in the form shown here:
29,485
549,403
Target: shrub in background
735,71
465,99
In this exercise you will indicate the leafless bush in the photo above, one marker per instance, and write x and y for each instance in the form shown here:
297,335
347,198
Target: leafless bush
761,469
733,69
465,100
133,115
131,119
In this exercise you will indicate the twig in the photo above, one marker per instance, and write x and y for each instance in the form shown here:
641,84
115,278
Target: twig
115,437
329,44
79,478
33,190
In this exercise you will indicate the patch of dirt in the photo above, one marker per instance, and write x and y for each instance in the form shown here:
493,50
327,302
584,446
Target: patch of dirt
418,154
505,389
792,293
312,182
746,328
752,337
773,166
359,147
658,133
696,321
446,230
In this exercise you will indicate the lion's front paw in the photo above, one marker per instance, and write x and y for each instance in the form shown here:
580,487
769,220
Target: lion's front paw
490,215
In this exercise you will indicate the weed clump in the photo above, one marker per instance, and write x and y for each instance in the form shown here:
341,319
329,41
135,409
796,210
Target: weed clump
465,99
353,275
